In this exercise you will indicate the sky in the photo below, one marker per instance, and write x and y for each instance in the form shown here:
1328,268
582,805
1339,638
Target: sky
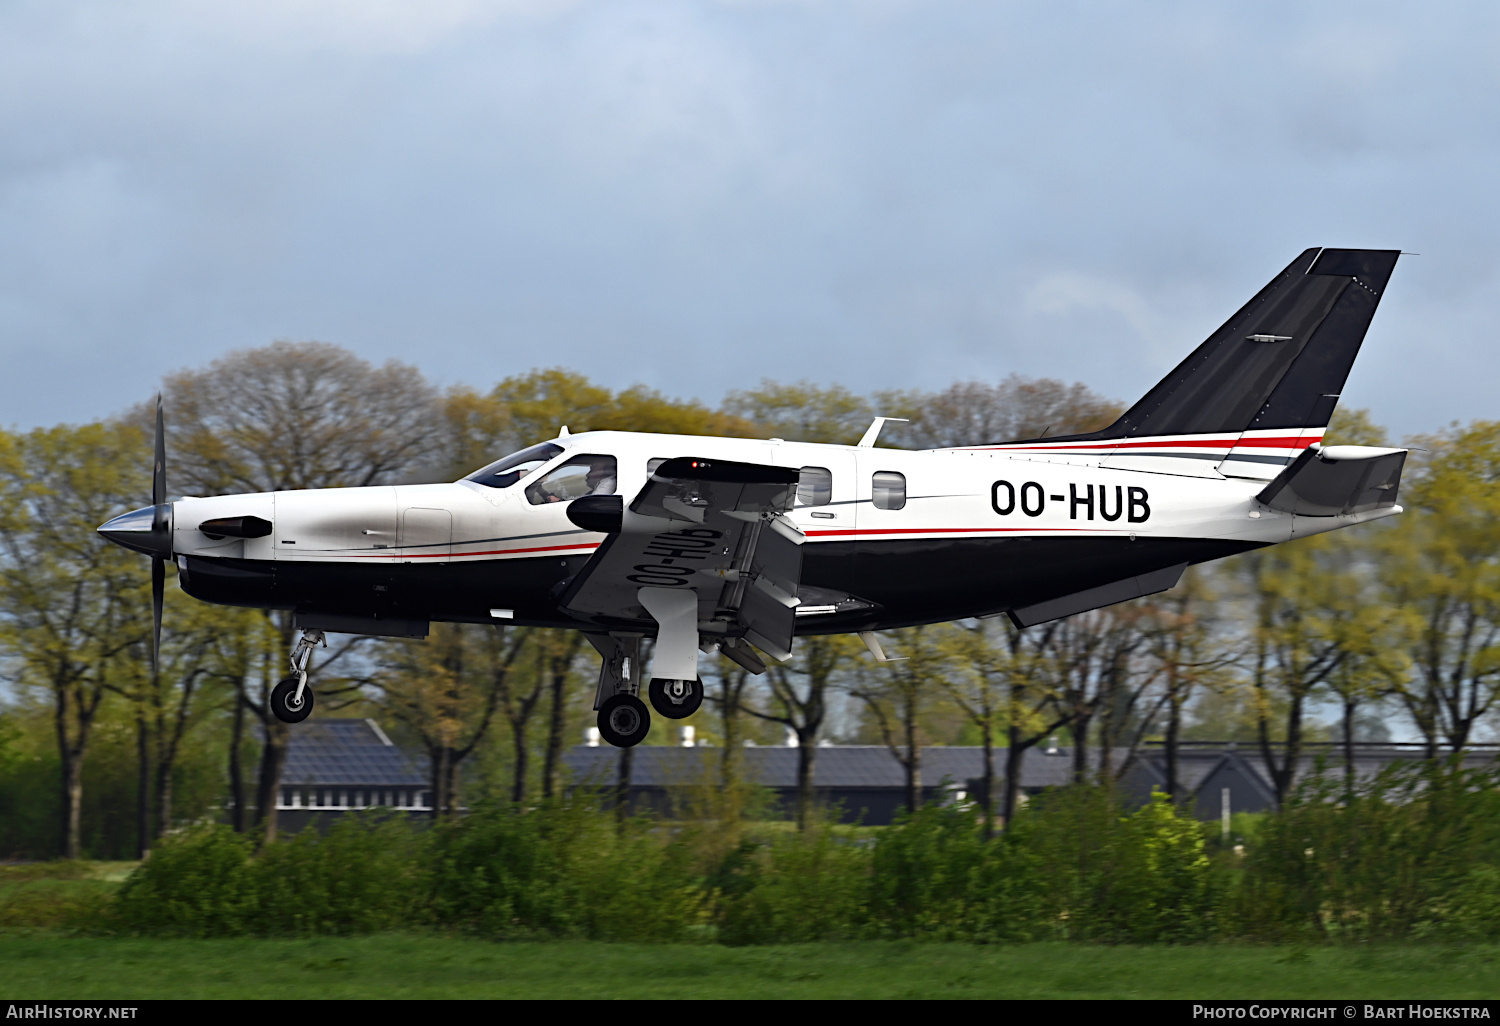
698,195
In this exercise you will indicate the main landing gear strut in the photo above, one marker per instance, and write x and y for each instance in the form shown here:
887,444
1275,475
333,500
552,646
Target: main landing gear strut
623,718
292,699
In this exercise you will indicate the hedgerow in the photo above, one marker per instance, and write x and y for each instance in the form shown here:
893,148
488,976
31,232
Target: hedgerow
1414,852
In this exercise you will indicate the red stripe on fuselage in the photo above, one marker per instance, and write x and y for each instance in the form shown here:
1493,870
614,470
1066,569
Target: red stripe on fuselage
1283,442
490,552
950,530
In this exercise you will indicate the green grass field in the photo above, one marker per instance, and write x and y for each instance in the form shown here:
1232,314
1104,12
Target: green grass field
42,965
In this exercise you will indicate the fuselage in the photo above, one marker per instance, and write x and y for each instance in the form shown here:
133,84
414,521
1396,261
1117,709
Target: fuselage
893,537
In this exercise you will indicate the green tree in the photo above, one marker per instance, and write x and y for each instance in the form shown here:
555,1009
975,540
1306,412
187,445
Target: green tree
1311,612
802,412
447,690
74,609
1442,563
977,686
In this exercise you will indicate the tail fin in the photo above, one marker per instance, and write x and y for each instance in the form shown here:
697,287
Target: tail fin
1279,363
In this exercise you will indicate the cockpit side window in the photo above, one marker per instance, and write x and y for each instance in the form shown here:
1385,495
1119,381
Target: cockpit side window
506,472
581,475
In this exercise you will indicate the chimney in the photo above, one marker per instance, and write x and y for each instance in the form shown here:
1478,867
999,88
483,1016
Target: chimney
591,737
791,738
685,736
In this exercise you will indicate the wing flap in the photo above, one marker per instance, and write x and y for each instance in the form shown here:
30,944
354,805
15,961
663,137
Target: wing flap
710,526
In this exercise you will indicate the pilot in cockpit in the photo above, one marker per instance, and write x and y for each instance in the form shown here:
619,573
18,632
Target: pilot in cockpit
591,474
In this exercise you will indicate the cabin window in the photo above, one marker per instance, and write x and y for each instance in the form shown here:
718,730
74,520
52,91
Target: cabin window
814,486
888,489
506,472
652,464
581,475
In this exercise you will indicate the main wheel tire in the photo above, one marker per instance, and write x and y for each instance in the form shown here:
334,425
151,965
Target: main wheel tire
282,697
675,699
624,721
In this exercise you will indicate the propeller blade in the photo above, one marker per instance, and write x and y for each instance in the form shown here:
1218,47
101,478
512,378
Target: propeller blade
161,529
159,471
158,593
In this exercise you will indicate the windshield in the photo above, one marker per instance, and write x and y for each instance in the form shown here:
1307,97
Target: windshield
506,472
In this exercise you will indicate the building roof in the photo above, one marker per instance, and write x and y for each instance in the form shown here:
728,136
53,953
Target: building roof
356,753
873,766
836,766
1196,761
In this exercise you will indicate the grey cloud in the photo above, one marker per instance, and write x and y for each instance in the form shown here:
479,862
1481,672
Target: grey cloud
697,195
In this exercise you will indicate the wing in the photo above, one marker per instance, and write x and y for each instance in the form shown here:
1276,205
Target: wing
710,526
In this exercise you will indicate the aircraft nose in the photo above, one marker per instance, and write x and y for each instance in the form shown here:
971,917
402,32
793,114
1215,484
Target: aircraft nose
148,530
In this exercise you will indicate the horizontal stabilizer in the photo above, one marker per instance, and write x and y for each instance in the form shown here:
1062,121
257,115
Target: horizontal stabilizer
1336,481
1096,598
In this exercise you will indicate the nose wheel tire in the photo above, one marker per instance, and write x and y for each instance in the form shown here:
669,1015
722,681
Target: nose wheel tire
286,706
675,699
624,721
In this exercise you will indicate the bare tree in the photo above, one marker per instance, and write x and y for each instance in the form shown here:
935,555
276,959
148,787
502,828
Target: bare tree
562,648
298,415
1189,653
730,701
1033,710
800,691
976,412
288,416
898,694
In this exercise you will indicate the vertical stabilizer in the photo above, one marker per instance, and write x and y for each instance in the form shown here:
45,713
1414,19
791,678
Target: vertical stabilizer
1261,388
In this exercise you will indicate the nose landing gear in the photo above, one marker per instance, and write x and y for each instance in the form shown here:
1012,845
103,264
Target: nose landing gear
675,699
292,699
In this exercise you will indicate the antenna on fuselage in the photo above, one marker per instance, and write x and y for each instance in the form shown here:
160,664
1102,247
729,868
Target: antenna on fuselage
873,433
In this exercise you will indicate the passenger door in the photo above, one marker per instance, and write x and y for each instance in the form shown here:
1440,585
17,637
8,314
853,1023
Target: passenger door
826,491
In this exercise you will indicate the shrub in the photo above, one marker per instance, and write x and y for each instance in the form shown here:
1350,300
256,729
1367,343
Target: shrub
1117,876
197,884
364,876
562,870
1413,851
806,886
935,876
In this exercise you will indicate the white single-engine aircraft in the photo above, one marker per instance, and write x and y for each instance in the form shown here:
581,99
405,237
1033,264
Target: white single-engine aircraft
739,545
